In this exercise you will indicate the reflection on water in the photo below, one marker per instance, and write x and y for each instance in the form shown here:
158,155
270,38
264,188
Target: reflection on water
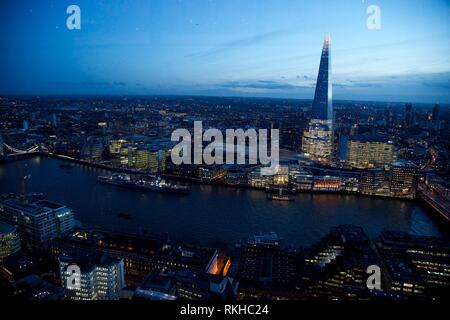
211,214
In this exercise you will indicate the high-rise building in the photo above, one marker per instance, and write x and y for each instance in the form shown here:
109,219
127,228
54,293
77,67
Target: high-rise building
54,120
435,113
37,221
9,240
99,277
403,179
322,107
367,152
317,142
434,118
408,119
26,125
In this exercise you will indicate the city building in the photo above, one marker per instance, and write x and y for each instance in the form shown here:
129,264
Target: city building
9,240
372,181
317,141
367,152
54,120
211,173
281,178
140,254
92,150
404,179
115,146
15,267
335,267
266,269
235,175
37,221
101,277
203,286
418,266
408,120
257,179
327,183
434,118
157,286
300,178
33,287
143,156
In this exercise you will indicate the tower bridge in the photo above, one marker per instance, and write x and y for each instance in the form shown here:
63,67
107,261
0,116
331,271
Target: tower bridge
8,151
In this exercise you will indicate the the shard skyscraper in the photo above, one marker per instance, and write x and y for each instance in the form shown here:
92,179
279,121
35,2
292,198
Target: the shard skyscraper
322,107
317,141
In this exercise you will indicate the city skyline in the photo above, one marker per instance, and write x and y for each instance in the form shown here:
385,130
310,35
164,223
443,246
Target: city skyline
183,49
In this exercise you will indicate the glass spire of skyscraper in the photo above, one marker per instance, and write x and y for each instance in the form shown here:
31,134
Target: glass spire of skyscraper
317,141
322,107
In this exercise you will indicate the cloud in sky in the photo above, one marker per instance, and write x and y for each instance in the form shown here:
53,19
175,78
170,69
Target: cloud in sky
261,84
240,43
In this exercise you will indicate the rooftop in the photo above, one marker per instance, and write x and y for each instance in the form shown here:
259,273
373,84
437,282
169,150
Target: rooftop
6,228
31,205
25,206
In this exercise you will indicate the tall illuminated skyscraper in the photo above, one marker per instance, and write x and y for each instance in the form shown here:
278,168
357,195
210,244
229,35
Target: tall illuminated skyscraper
317,142
322,107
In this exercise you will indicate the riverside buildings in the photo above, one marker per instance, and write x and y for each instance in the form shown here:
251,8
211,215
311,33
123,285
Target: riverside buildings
367,152
404,179
37,221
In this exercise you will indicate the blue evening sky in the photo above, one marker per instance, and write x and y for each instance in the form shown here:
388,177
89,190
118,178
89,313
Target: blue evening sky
226,47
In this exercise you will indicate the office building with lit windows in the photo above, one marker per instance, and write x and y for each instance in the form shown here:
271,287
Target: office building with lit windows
403,179
100,277
367,152
257,179
372,181
300,178
335,267
9,240
417,266
37,221
317,141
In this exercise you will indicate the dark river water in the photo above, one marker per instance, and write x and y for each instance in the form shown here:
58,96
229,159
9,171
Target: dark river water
211,215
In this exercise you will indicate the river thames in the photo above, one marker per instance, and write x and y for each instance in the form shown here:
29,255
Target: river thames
211,215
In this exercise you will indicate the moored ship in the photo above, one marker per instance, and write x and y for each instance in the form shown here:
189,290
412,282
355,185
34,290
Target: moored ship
155,184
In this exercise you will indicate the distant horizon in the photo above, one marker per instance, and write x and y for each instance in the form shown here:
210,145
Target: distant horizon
35,95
